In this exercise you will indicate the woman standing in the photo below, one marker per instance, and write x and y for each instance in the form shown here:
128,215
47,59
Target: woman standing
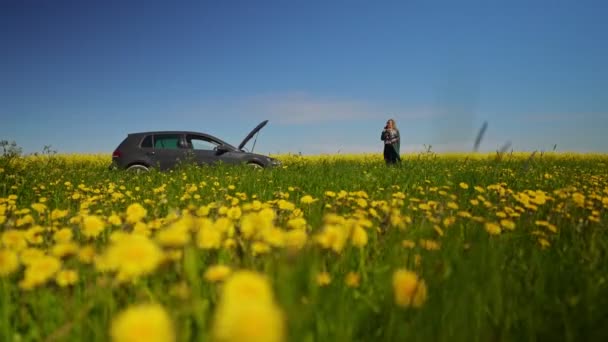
390,136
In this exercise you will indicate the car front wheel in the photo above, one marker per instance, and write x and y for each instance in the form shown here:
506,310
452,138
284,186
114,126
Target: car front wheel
254,165
138,168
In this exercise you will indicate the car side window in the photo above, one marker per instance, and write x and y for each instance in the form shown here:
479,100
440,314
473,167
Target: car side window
201,143
147,142
166,141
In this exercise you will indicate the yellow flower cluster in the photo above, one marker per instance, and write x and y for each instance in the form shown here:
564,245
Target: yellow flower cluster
247,310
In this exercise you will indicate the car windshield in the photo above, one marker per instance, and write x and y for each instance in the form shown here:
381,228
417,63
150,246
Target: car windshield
197,142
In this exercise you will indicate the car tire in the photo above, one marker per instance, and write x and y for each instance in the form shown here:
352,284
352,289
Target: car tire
138,168
255,165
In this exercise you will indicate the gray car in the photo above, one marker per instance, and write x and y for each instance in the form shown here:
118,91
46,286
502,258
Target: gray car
166,149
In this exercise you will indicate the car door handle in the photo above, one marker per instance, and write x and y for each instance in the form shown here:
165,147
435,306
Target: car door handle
151,153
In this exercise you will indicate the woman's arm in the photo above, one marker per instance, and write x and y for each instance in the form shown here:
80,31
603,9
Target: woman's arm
392,137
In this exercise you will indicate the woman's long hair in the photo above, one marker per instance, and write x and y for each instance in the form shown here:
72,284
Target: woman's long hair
394,124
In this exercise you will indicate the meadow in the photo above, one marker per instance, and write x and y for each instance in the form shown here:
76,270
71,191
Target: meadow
471,247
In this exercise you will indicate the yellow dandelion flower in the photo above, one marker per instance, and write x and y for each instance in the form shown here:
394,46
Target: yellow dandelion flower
544,243
399,195
173,255
297,223
424,206
86,254
408,244
9,262
286,205
409,289
253,321
66,278
142,323
39,271
39,208
177,234
136,212
492,228
217,273
352,279
296,239
579,199
397,220
323,279
507,224
141,228
332,237
92,226
29,254
259,247
552,228
203,211
334,219
34,235
307,199
274,237
430,245
359,237
361,202
452,205
114,220
463,185
63,249
63,235
234,213
132,255
538,197
465,214
208,237
501,214
253,222
247,286
58,214
14,239
448,221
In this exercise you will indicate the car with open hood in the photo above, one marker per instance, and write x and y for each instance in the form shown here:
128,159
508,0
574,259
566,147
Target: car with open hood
166,149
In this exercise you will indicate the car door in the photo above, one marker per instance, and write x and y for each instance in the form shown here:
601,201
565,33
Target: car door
203,149
168,150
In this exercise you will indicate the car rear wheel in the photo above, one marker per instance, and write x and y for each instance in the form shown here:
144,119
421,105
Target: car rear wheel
138,168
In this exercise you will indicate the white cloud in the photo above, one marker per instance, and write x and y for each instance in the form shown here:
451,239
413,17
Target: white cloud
303,108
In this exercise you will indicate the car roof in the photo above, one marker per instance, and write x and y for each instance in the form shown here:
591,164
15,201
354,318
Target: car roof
141,134
169,132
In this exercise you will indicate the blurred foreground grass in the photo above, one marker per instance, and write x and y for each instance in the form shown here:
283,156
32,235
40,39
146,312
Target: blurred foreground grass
478,247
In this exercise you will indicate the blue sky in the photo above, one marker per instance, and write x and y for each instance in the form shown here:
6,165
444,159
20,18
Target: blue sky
80,75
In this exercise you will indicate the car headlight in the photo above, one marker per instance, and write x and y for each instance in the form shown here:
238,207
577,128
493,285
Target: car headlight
275,162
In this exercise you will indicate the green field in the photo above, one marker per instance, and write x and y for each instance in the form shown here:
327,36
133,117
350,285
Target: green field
475,247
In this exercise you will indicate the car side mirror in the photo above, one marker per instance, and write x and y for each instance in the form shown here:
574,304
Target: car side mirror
222,149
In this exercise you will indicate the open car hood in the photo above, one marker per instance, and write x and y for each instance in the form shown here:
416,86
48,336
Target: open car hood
252,133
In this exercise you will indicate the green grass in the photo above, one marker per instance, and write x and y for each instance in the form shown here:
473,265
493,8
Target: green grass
481,287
